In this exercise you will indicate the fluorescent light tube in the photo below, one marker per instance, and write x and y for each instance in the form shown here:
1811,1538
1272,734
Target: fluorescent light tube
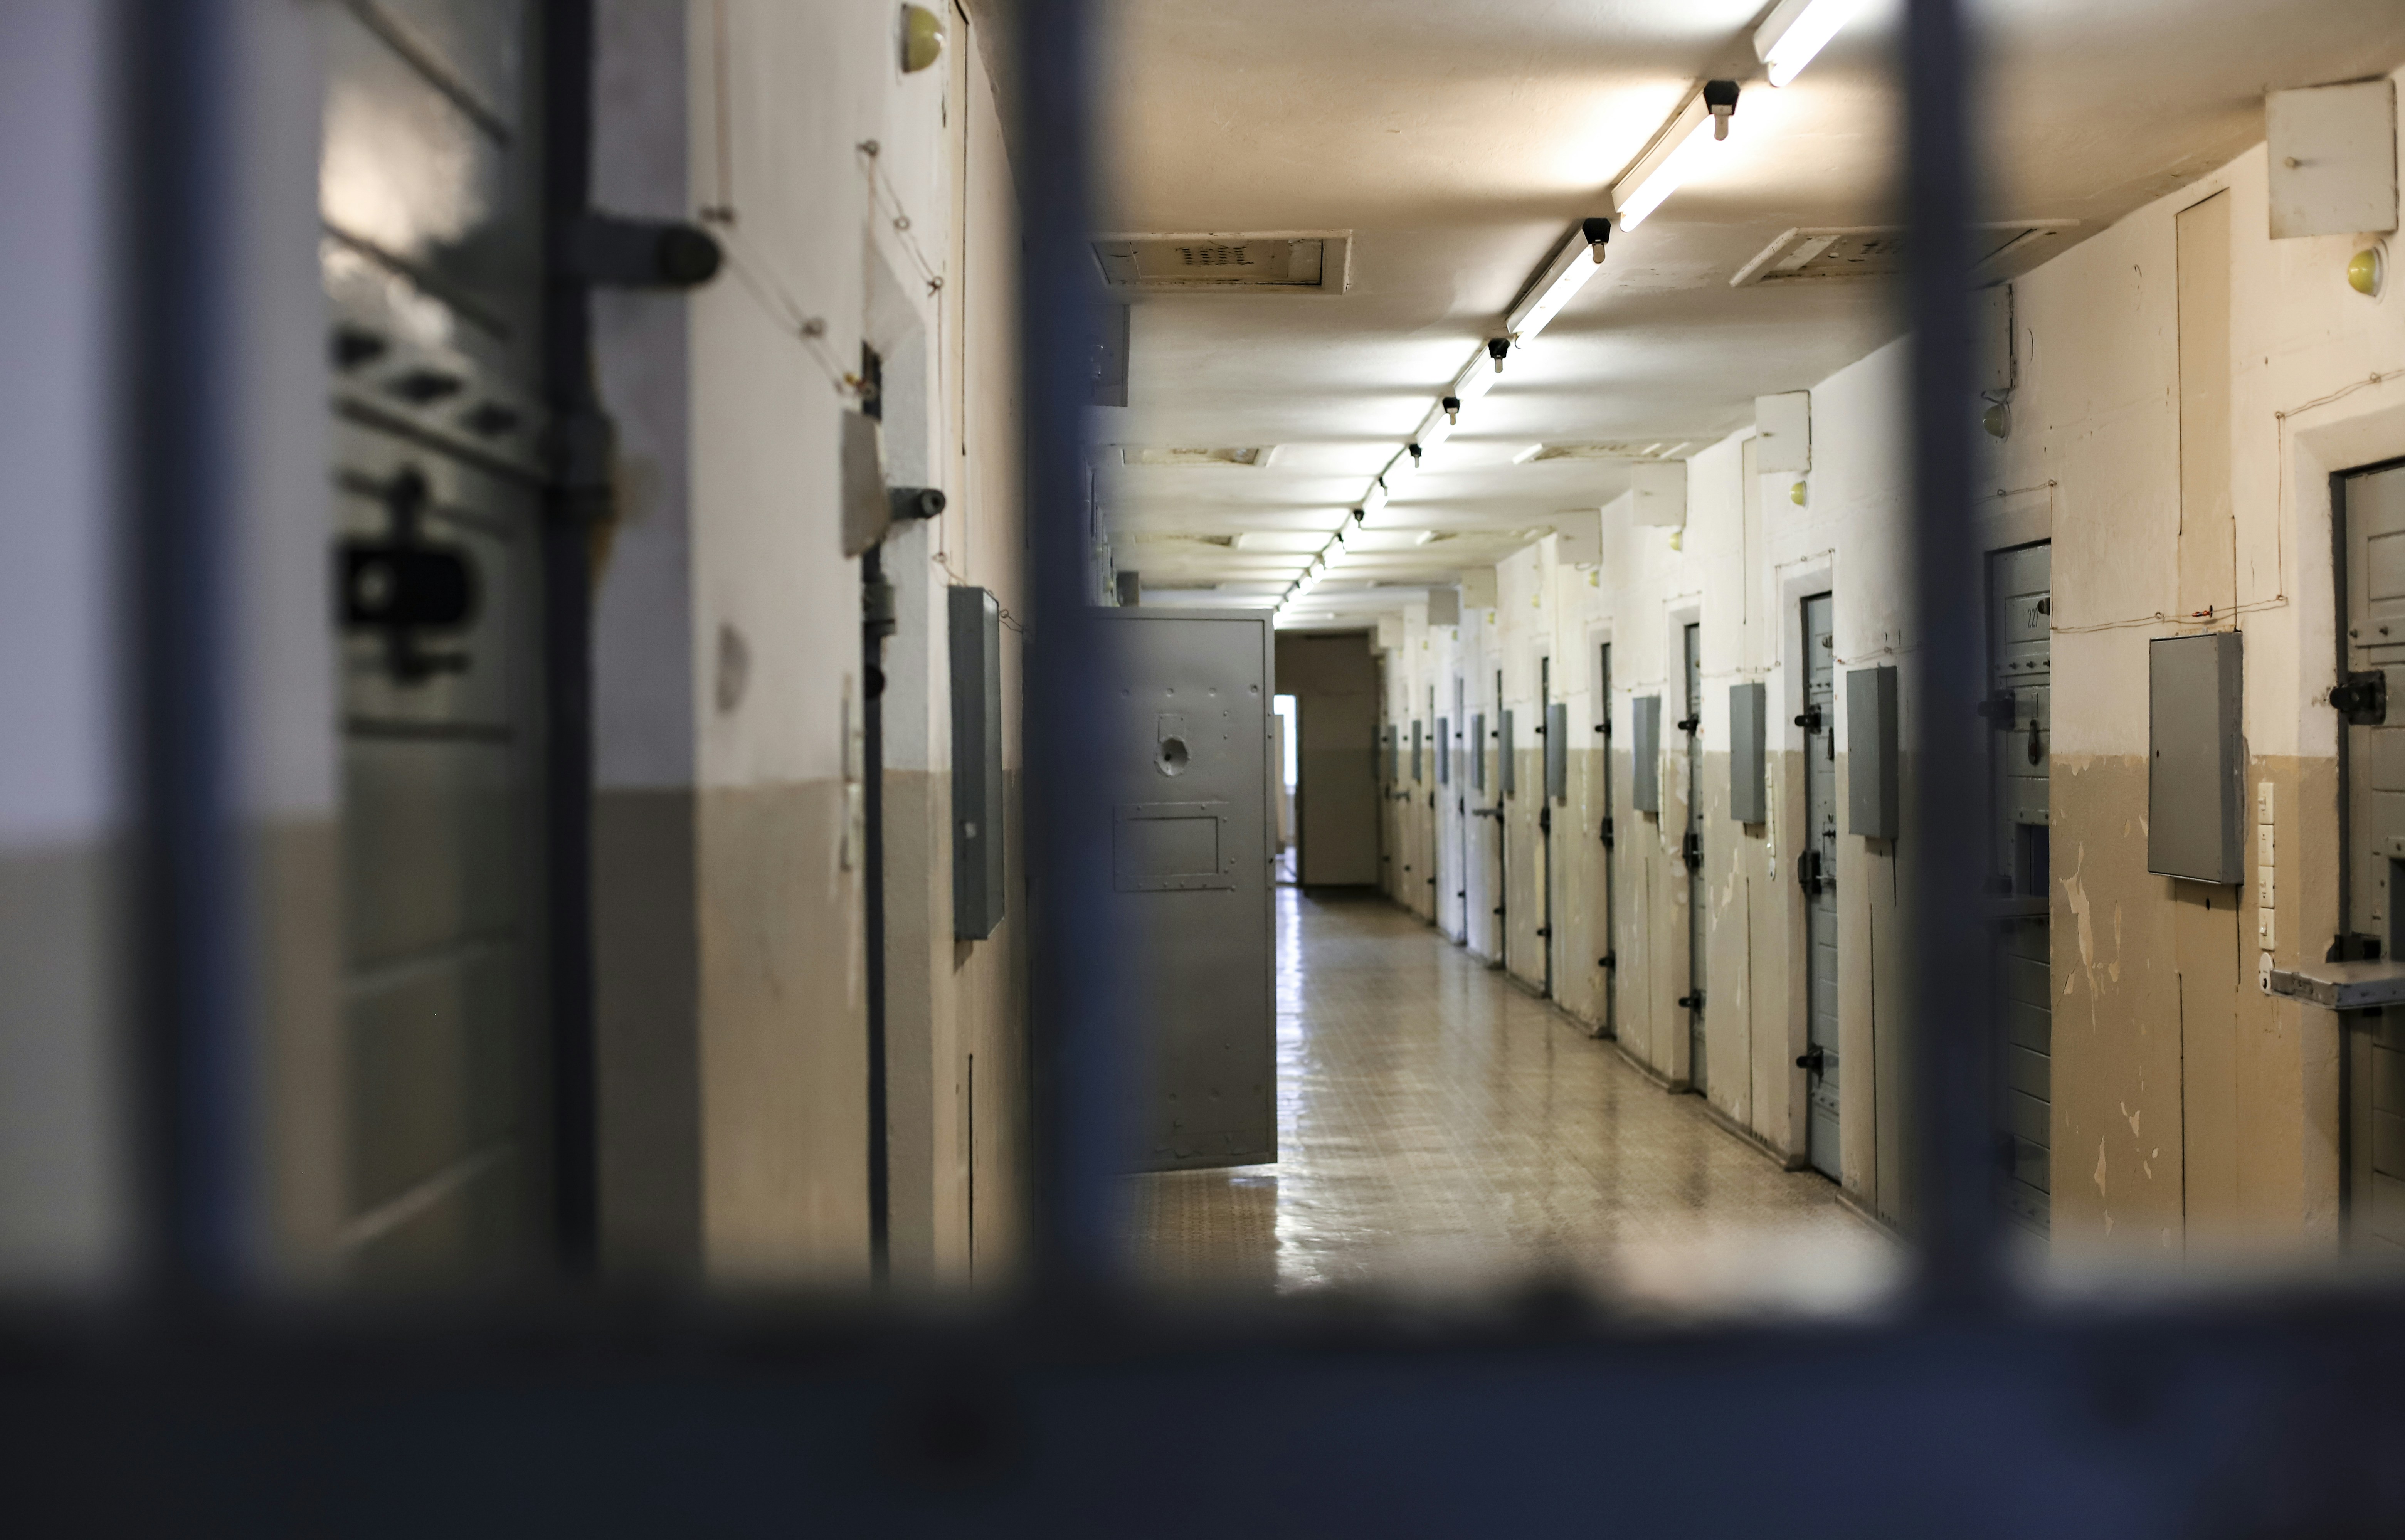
1475,381
1669,162
1796,30
1568,273
1375,501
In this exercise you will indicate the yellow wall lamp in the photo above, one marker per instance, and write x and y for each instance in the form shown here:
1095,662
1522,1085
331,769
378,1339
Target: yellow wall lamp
2367,271
922,39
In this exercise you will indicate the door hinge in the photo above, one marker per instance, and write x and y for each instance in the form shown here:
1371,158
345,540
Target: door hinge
1606,834
1812,1059
1807,874
1690,851
1544,930
1692,723
1692,1003
1810,720
1608,959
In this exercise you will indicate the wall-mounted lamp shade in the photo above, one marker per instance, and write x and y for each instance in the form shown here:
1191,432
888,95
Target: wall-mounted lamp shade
922,39
1568,273
1796,30
1671,160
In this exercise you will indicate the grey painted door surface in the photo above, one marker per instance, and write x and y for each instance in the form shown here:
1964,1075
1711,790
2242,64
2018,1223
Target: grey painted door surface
1818,875
1610,960
431,263
2373,773
1185,779
1548,732
2019,630
1691,851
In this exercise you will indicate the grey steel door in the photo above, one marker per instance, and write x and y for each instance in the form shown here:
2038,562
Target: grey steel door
1550,743
2019,622
1610,960
2373,775
430,259
1692,852
1817,872
1185,779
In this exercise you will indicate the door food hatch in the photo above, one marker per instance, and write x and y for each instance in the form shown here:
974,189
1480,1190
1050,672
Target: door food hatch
1185,778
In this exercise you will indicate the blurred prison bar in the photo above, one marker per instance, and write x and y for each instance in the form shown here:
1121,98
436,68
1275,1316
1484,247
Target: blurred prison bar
519,598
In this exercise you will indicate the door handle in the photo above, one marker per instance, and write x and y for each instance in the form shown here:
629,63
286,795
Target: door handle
2035,755
1814,1059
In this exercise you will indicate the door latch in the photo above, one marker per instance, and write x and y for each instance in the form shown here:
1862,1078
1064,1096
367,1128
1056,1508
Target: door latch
1690,850
2362,698
404,584
1814,1059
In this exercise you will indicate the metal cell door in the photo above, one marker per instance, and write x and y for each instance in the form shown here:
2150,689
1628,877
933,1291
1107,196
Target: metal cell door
2373,775
1610,960
1551,746
1186,774
2019,609
1816,871
430,259
1690,850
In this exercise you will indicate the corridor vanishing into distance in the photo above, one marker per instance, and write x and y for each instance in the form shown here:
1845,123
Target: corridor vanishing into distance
1440,1129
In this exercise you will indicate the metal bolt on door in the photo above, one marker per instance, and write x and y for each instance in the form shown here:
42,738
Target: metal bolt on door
2019,651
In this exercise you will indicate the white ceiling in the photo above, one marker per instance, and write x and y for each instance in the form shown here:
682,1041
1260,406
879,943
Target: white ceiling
1460,140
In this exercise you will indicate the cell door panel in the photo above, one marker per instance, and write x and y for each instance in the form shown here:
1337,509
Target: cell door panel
1183,782
2020,751
1698,891
1816,872
428,200
2373,770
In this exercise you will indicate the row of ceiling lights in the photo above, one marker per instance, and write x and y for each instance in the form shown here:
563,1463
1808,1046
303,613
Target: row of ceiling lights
1786,41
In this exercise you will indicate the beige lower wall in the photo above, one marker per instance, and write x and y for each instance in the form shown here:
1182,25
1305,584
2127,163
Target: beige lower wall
783,1075
2192,1112
304,1158
65,1218
646,1024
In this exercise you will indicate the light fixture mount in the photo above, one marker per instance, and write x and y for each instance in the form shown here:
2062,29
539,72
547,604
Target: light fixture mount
1496,349
1453,410
1720,100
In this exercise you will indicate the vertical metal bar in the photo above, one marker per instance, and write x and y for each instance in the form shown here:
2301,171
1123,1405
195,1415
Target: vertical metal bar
1954,1023
179,333
1075,964
877,624
578,502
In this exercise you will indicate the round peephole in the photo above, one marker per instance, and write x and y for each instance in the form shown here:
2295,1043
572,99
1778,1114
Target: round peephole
1172,757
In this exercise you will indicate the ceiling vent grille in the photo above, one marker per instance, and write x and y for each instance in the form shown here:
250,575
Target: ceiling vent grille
1622,449
1256,456
1877,251
1278,261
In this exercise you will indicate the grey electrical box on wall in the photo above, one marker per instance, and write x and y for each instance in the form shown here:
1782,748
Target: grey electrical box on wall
1645,752
1871,809
1748,788
2196,759
977,802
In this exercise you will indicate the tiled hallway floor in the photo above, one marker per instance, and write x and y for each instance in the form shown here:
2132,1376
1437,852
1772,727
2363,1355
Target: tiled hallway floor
1441,1131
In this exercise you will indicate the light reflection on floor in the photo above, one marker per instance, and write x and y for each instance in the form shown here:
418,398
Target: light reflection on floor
1443,1132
